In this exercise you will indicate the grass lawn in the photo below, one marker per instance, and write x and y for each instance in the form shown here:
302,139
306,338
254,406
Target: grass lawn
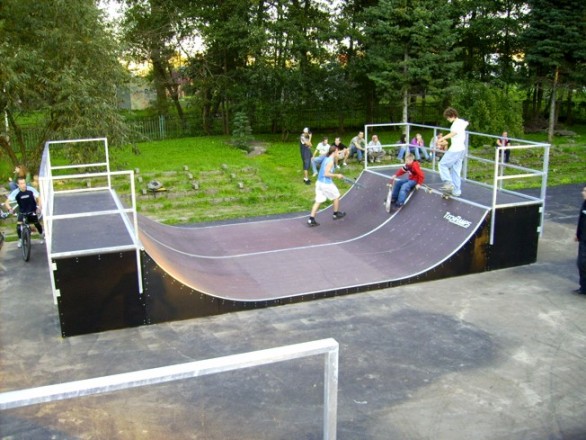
232,184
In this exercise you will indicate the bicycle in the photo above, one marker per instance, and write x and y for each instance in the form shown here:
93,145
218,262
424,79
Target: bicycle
25,237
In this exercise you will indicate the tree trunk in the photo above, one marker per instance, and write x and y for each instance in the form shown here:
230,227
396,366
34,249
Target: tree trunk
552,106
569,107
206,112
405,117
160,86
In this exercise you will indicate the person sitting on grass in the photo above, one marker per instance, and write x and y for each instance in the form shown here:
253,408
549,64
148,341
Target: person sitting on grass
402,187
375,150
319,155
357,146
325,189
343,153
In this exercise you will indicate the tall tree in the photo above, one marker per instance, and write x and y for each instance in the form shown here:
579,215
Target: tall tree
488,34
152,32
57,61
259,54
410,48
555,47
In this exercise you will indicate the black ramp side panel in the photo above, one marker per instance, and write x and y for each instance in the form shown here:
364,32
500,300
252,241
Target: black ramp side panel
516,236
98,293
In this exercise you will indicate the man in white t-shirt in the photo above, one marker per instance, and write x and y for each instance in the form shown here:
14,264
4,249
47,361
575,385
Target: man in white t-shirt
450,166
375,150
320,154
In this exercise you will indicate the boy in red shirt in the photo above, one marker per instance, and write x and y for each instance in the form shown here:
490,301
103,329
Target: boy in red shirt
402,187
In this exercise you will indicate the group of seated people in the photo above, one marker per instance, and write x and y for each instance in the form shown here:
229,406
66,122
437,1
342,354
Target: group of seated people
374,150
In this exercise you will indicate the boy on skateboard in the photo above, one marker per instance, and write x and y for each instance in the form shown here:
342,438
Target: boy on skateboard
402,187
450,166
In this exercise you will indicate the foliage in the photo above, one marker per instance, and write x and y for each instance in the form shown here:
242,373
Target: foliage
555,43
242,133
57,57
488,34
555,38
410,48
152,31
489,109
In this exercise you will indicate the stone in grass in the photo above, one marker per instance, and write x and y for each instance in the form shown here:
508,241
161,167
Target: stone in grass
232,176
224,166
137,171
195,185
139,178
143,191
190,176
240,185
185,168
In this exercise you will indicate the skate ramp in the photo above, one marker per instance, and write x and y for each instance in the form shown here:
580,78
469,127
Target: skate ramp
280,258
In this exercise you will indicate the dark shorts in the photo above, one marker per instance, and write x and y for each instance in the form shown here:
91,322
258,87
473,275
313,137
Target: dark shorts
31,217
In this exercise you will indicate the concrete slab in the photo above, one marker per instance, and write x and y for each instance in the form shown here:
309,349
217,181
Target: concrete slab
498,355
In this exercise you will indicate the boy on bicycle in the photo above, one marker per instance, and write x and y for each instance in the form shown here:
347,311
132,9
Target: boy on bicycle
29,204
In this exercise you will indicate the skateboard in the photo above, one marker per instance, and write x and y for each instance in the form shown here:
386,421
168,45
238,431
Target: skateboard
388,201
446,195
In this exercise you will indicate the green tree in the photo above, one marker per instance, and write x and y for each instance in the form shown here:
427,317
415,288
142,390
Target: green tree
488,35
152,32
410,49
58,61
242,133
489,109
260,55
555,48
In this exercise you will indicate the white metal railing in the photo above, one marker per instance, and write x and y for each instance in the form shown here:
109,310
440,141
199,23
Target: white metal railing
47,188
328,347
499,165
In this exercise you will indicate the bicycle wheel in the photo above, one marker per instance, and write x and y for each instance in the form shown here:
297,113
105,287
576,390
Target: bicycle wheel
26,243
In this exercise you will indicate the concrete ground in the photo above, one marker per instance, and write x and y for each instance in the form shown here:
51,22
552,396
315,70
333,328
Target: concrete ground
498,355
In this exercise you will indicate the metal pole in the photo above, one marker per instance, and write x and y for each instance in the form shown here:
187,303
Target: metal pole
331,394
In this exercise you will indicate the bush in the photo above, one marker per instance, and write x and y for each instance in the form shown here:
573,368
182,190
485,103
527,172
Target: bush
242,133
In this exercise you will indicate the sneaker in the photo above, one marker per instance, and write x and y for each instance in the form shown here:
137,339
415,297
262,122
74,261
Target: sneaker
19,243
457,194
312,222
42,239
313,175
338,215
307,181
344,164
447,186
